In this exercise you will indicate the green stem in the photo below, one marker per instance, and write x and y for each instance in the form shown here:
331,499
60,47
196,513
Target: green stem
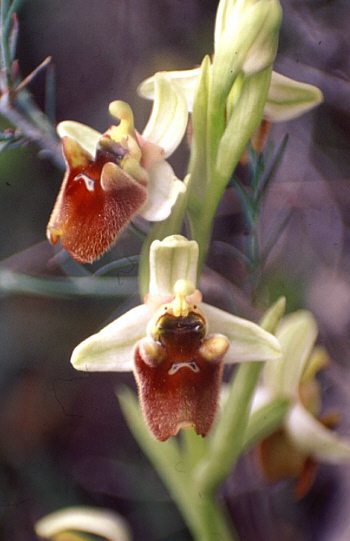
224,147
228,436
202,219
214,523
265,421
175,466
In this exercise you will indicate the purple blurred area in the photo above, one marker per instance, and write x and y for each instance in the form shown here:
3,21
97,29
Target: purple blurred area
63,438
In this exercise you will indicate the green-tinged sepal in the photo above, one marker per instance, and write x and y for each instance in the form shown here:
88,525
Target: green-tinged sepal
168,121
248,341
288,99
172,259
185,80
297,334
86,137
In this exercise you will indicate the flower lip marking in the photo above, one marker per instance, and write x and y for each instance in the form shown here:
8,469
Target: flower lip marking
175,367
89,182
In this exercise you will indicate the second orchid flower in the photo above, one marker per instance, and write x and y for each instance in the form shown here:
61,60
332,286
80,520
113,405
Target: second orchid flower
111,177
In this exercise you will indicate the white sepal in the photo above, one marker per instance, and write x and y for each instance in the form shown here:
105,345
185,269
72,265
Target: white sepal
84,135
297,335
168,121
163,190
186,80
313,438
101,522
288,99
248,341
172,259
111,349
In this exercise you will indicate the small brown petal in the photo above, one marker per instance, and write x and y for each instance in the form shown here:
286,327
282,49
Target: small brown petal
214,347
306,478
152,352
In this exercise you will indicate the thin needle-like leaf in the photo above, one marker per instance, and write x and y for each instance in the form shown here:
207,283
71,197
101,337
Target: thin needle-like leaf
266,180
128,263
50,93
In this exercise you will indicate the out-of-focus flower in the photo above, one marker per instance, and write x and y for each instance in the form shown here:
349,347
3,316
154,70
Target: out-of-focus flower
112,176
166,342
306,438
71,523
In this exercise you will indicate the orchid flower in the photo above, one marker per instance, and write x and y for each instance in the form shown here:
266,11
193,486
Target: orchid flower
166,342
305,438
286,99
70,522
112,176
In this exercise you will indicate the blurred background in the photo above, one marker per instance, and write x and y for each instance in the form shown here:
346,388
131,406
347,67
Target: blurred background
63,439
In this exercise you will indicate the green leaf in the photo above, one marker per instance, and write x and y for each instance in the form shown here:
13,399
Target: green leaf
265,179
17,283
